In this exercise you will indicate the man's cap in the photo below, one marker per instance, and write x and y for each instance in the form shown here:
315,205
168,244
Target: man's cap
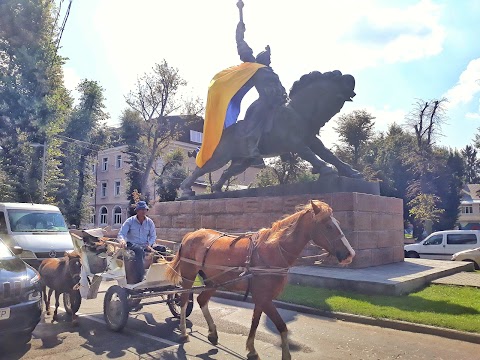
141,205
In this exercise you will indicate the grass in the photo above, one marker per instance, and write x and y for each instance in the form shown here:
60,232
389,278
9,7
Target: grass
445,306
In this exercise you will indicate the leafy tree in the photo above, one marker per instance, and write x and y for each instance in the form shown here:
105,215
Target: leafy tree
131,130
171,176
156,95
34,103
386,154
424,207
471,163
83,138
287,170
450,183
355,130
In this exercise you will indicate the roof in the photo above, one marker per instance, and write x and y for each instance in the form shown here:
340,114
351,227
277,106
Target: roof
30,206
470,192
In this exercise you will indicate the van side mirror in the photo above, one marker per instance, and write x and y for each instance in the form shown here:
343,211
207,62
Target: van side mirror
17,250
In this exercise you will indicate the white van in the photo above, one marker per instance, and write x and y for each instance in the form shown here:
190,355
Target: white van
443,244
40,230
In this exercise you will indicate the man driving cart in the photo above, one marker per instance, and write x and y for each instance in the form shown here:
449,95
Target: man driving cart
138,234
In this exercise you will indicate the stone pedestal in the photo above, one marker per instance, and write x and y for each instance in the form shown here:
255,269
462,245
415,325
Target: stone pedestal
373,224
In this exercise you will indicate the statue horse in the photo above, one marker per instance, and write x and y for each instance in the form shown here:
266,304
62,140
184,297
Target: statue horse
266,255
61,275
290,128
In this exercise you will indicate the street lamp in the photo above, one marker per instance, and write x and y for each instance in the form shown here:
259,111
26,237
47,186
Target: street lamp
44,145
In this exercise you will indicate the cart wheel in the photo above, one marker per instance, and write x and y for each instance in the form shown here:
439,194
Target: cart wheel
116,308
72,301
173,302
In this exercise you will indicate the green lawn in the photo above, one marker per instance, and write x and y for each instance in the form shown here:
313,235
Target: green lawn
445,306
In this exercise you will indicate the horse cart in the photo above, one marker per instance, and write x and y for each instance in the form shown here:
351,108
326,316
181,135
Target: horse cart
104,260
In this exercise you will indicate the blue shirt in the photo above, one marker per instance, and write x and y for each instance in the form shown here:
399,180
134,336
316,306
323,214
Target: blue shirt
142,234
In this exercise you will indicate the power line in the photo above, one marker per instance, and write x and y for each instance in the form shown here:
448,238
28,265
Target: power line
62,28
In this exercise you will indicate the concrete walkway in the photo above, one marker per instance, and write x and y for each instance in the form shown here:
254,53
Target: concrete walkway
392,279
461,279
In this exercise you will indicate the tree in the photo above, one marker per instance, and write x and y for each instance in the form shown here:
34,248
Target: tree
471,163
424,207
155,96
425,119
291,169
171,176
355,129
83,137
34,103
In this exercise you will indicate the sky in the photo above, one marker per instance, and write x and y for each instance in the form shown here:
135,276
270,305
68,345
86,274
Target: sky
398,51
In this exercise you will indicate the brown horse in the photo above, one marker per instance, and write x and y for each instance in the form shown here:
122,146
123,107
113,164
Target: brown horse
60,275
266,254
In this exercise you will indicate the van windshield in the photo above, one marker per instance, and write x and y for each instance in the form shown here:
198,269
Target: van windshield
36,221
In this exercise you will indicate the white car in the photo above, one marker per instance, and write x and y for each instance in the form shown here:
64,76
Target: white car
470,256
441,245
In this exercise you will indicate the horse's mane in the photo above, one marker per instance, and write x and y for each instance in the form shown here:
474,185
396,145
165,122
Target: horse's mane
310,78
286,227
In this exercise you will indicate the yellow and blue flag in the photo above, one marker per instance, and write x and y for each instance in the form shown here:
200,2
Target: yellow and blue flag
225,94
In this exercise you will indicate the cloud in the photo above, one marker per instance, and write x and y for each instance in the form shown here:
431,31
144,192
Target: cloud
467,87
474,116
393,34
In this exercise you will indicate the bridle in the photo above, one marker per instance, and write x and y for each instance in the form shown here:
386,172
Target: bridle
331,243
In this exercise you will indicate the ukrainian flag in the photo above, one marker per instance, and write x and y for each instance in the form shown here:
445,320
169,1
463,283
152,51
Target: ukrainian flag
225,94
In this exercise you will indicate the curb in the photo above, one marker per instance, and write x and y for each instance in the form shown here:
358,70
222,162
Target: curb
366,320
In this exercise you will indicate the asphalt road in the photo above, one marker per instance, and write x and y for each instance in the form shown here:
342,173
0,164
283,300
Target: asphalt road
152,333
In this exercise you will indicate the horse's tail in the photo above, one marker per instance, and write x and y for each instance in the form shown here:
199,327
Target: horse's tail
173,271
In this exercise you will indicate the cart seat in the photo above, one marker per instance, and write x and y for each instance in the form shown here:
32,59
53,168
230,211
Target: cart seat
155,277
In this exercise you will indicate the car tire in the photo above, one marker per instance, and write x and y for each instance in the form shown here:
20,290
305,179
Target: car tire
412,254
475,265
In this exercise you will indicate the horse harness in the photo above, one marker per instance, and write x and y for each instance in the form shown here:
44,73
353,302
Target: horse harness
246,271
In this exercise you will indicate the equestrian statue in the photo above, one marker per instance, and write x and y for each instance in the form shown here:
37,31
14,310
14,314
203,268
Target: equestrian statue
275,124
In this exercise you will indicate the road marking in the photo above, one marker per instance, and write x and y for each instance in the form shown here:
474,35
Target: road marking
136,332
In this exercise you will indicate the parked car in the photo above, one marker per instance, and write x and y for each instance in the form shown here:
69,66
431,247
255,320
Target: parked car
39,229
20,297
469,255
442,245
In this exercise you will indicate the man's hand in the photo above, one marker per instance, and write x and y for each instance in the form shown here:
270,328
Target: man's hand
149,248
123,244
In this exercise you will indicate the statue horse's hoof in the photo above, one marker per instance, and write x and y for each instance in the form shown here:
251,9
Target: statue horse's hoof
253,357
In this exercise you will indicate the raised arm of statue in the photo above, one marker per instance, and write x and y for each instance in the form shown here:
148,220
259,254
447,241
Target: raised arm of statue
244,51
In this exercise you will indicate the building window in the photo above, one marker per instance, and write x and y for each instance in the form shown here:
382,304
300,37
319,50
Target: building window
93,168
118,161
116,188
196,136
92,192
103,215
104,189
468,209
117,215
105,164
92,215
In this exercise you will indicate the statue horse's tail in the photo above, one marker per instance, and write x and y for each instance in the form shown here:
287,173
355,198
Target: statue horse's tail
173,271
